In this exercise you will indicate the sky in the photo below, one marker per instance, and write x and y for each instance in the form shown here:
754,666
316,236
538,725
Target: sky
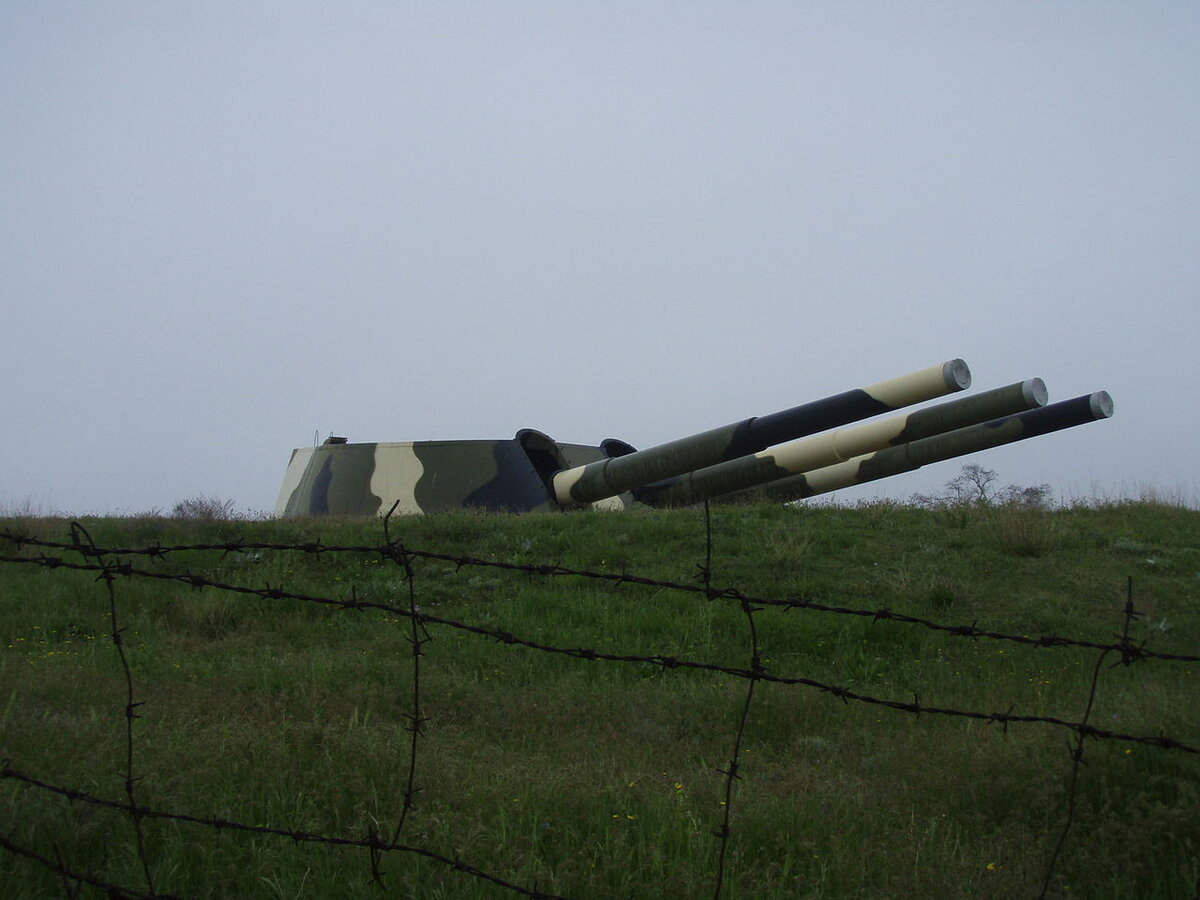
228,229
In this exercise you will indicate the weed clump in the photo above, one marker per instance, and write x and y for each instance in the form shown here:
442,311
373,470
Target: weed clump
203,508
1024,531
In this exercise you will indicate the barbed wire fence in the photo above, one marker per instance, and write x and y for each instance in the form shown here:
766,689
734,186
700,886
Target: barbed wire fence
113,564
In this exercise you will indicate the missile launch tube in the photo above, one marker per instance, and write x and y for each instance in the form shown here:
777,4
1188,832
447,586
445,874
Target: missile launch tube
831,447
609,477
972,439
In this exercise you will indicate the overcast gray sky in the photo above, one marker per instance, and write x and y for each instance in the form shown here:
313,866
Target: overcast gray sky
227,226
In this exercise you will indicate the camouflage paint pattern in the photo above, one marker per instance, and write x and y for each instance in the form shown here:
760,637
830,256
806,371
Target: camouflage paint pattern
613,476
972,439
839,445
760,455
365,479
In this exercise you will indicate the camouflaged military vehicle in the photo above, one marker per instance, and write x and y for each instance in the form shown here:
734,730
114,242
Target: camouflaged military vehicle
787,455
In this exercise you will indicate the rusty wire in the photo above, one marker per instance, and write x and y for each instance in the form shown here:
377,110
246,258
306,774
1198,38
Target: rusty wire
1127,648
370,842
663,661
108,566
731,773
83,541
115,891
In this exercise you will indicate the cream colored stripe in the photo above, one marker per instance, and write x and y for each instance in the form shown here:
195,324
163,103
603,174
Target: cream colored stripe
609,504
563,482
291,478
833,478
851,442
397,471
916,387
831,447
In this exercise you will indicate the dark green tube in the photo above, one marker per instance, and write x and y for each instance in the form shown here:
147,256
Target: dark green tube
832,447
960,442
609,477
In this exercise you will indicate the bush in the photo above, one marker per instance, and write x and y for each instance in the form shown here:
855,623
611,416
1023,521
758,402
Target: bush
203,507
974,487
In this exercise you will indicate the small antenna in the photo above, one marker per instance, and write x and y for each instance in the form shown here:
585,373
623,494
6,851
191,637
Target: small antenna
316,436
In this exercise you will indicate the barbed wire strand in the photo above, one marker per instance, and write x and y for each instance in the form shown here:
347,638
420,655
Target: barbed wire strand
116,891
71,889
1129,614
374,845
418,636
295,835
663,661
732,773
972,631
131,705
1073,779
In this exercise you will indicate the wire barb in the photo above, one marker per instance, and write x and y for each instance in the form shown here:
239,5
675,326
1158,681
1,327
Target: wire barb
111,564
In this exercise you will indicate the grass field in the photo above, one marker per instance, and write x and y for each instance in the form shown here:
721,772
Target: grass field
598,778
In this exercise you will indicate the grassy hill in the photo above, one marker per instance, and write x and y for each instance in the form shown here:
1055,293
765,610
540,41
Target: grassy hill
606,776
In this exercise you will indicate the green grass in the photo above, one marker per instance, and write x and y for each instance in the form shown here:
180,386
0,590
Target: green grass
600,779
